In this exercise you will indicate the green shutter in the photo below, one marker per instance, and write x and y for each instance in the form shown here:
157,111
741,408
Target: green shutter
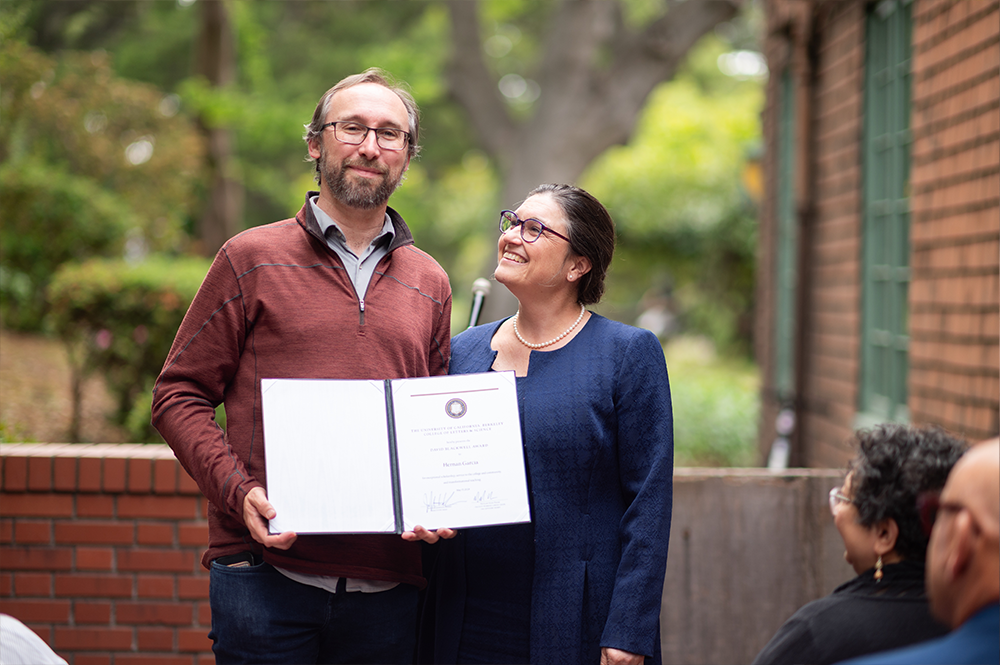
886,217
785,264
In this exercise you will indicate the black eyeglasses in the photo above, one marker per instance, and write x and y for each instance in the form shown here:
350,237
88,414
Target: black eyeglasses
929,504
353,133
531,229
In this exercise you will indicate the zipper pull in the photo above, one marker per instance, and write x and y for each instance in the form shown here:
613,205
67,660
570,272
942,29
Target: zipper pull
361,304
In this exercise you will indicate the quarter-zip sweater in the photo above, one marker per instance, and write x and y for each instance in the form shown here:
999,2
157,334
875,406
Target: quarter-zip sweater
277,303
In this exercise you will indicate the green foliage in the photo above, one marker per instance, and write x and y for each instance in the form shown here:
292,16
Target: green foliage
119,319
50,217
716,405
90,165
686,226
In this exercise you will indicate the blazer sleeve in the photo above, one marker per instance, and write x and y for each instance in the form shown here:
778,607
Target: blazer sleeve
646,457
203,360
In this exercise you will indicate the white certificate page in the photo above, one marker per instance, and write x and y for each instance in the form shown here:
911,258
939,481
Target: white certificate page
461,460
326,450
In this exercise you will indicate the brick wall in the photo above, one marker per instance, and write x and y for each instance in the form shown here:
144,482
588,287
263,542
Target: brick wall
955,233
954,294
100,550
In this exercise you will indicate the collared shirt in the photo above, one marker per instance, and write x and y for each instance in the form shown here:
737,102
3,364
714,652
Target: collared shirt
359,268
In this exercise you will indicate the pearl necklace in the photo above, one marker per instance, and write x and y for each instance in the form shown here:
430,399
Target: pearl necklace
583,310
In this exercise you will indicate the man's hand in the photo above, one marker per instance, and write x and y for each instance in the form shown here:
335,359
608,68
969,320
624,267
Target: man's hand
420,533
257,510
618,657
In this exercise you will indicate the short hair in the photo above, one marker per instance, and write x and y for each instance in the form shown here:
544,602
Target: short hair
370,75
893,466
591,234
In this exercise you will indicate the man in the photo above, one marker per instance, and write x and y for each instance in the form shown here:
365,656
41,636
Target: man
340,292
963,566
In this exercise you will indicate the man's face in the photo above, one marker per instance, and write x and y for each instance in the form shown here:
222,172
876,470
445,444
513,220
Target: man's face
362,176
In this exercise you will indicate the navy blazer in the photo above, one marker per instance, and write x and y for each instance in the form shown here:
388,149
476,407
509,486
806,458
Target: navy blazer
598,436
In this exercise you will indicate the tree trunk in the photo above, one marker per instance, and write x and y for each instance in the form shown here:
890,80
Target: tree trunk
215,59
595,75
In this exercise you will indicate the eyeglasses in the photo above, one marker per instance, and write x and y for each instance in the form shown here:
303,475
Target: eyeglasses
531,229
837,497
929,504
353,133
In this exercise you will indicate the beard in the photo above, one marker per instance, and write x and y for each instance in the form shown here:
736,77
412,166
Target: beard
360,193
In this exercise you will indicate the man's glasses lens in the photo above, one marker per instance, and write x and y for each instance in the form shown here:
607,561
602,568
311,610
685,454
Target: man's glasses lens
928,505
354,134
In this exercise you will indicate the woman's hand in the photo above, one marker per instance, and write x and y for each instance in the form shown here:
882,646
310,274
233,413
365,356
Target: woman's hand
619,657
428,536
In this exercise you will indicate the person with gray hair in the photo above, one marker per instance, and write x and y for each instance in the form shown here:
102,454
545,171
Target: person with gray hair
963,565
875,511
340,291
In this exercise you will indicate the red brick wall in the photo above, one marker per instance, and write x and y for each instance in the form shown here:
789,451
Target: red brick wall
955,233
100,549
954,372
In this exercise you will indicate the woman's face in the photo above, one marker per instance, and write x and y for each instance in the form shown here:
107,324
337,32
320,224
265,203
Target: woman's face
859,541
541,264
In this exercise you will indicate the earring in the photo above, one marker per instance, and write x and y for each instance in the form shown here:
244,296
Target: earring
878,570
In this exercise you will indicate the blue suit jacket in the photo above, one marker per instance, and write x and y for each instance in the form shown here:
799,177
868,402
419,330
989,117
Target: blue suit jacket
975,641
598,435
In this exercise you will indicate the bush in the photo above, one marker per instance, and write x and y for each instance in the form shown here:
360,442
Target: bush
716,406
120,319
49,218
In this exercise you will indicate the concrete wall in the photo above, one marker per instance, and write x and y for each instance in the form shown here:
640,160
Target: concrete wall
100,549
747,549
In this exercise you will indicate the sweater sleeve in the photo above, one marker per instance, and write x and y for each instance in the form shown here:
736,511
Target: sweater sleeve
202,361
440,351
646,455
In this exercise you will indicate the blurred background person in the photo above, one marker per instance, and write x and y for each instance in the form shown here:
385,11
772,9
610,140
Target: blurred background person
581,583
963,566
875,511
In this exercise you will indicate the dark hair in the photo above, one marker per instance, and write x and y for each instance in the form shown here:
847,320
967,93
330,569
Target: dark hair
591,234
370,75
893,466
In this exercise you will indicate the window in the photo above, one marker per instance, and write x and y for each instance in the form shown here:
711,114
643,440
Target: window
886,215
786,273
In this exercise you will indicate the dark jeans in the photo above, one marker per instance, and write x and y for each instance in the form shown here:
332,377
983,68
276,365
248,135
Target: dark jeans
261,616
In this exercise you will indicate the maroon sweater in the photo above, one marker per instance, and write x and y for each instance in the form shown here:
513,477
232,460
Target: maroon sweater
277,303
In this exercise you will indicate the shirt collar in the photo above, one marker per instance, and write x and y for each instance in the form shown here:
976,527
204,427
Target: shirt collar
326,222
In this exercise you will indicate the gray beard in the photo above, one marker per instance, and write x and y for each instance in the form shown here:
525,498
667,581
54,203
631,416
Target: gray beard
364,195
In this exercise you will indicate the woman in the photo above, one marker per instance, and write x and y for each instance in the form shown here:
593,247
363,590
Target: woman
876,513
582,582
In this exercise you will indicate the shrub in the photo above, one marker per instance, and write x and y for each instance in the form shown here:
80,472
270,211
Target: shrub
716,405
119,319
50,217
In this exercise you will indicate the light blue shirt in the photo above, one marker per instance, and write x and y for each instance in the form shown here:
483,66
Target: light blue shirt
359,268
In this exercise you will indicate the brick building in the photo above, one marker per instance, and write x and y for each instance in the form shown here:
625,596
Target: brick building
880,229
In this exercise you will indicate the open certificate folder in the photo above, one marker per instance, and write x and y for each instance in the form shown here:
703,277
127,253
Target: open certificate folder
346,456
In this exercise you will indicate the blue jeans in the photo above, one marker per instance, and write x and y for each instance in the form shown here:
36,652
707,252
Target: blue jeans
261,616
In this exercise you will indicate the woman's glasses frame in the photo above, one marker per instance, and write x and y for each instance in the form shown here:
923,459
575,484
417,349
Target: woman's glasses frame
531,228
838,497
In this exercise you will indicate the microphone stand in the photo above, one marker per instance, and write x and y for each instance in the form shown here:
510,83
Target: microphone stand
480,289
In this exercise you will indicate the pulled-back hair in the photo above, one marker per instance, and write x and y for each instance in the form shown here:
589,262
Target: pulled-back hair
591,233
893,466
370,75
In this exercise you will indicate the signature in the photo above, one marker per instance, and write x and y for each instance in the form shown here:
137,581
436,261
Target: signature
440,501
482,497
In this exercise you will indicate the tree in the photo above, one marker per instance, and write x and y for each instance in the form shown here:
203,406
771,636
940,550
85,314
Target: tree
215,61
594,73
